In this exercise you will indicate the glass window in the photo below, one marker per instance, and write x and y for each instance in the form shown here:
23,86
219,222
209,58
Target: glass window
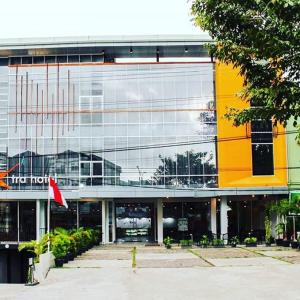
73,58
85,169
90,214
8,221
38,59
262,159
50,59
27,221
62,217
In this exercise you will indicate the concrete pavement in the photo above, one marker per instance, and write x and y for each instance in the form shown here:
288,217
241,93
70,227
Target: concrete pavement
107,275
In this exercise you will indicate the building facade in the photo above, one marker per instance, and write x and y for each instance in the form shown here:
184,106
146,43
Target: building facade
133,131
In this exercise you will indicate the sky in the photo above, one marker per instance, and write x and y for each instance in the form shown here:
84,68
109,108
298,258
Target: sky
43,18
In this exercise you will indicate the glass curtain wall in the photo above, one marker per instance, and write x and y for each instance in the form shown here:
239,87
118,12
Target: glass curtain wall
95,125
186,220
246,217
27,216
8,221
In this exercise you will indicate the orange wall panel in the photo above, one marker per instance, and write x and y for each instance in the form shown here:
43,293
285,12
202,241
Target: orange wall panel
235,155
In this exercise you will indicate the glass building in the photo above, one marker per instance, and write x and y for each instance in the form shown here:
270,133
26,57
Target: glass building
128,129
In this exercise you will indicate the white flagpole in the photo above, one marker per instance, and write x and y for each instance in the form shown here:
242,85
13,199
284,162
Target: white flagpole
48,214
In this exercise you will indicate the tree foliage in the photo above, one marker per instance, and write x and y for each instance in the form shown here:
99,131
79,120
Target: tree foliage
262,39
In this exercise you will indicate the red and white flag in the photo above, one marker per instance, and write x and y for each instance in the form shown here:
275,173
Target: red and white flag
56,194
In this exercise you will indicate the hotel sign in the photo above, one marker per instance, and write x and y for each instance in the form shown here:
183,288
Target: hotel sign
30,180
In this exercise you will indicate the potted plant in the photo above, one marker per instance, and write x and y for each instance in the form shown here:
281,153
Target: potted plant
185,243
294,244
35,248
168,242
204,242
250,241
60,245
218,243
279,229
268,231
234,241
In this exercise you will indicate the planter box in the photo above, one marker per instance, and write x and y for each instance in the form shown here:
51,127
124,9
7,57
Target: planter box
219,246
251,245
286,243
59,262
294,244
42,268
279,242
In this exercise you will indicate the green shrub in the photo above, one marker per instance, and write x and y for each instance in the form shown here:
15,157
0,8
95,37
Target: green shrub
60,245
218,242
204,242
168,242
35,247
185,242
268,230
234,240
250,240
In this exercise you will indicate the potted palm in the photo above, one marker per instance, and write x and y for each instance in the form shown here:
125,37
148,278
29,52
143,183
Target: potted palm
234,241
268,232
204,242
168,242
279,228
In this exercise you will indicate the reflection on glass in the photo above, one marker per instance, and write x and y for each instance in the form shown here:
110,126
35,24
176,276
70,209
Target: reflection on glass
112,125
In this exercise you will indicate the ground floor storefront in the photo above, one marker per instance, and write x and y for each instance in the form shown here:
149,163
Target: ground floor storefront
140,219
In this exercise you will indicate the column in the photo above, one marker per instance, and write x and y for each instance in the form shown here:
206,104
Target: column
159,213
37,221
104,214
223,217
40,219
113,222
213,215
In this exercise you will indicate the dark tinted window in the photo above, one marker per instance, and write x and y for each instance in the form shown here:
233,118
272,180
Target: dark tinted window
15,60
4,61
73,58
261,126
262,159
262,137
62,59
27,60
85,58
38,59
50,59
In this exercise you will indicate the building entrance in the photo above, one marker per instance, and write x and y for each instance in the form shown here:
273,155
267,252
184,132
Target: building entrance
134,222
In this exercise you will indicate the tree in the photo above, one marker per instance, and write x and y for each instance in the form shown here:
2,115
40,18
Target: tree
262,39
284,208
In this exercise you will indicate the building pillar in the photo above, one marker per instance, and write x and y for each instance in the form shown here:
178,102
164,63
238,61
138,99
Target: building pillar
104,225
223,217
40,219
113,222
160,229
37,219
213,215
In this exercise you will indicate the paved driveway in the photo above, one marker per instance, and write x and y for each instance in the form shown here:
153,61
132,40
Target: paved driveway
107,273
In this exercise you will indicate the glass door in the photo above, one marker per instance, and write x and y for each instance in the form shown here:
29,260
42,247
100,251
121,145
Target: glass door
134,222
